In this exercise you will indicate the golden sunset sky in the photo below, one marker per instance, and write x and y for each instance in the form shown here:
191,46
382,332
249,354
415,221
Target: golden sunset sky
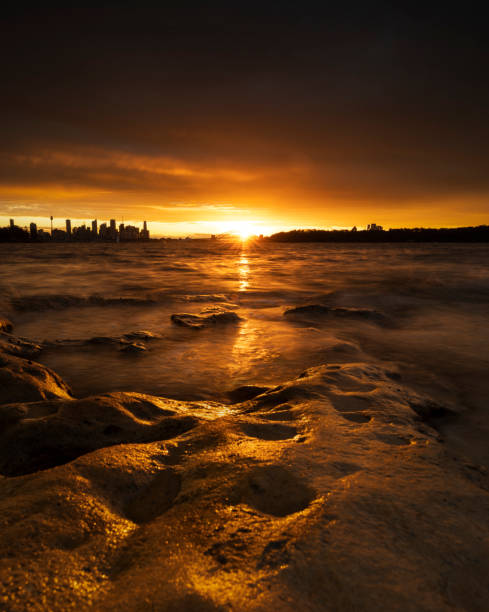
281,116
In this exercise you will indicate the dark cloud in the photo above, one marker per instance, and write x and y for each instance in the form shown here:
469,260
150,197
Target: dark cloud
363,103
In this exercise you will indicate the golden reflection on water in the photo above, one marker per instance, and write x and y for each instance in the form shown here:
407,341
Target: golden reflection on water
244,349
243,272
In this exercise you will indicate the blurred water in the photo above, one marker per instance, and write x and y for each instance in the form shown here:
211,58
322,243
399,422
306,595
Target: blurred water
435,296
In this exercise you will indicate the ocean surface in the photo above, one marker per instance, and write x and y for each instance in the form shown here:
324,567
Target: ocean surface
433,298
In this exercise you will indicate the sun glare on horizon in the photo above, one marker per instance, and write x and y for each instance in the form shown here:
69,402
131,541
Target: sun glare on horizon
242,229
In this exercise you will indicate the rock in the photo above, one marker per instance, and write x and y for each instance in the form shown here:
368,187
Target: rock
201,321
46,435
147,503
5,325
318,311
20,347
246,392
27,381
133,348
140,335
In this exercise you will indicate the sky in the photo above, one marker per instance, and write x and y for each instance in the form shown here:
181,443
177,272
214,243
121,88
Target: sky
200,117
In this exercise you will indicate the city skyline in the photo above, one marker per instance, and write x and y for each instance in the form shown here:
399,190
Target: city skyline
123,232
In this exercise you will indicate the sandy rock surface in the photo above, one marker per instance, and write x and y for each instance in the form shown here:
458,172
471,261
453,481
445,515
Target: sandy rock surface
329,492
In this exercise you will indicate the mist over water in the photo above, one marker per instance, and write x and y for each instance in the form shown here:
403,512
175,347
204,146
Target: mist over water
434,298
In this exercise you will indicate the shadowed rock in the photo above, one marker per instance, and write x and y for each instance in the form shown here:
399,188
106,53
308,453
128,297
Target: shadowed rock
140,335
201,321
75,427
20,347
5,325
429,410
245,393
28,381
133,348
156,498
319,311
275,490
124,340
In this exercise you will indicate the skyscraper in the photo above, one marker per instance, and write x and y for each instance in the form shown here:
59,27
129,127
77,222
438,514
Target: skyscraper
94,227
144,231
68,227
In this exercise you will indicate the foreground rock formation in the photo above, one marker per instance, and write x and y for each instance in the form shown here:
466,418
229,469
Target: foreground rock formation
329,492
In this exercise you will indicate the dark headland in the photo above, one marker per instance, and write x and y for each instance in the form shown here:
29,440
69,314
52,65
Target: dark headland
478,233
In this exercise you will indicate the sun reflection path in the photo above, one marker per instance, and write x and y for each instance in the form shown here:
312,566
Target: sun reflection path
244,272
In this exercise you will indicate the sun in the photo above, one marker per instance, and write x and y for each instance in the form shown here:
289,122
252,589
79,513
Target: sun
242,229
245,231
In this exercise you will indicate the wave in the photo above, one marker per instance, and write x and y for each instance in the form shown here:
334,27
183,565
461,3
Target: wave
60,302
37,303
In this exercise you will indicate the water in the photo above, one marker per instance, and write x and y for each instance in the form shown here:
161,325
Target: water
435,296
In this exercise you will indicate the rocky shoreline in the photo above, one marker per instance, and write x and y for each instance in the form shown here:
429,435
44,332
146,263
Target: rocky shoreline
332,491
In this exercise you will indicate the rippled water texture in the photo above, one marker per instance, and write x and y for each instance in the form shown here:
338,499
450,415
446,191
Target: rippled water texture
434,299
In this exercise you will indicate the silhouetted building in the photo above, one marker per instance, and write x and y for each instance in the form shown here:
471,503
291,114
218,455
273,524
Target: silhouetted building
144,232
373,227
82,233
68,227
103,233
33,231
354,228
59,235
113,230
12,224
94,228
43,236
130,233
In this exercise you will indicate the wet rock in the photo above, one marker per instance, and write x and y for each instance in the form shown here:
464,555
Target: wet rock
272,489
200,321
5,325
156,498
165,510
133,348
429,410
245,392
319,311
37,441
20,347
27,381
140,335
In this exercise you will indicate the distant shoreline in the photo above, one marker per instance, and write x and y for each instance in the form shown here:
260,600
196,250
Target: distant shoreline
477,234
458,234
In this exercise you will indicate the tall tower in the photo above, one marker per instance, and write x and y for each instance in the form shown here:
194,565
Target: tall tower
94,227
12,224
68,227
51,217
145,226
